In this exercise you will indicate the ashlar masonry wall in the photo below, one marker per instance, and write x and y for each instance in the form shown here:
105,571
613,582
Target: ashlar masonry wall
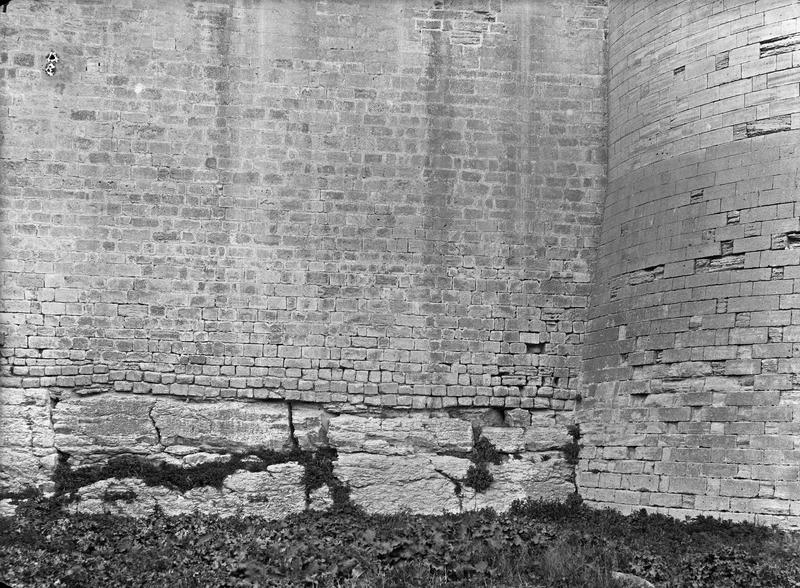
379,209
692,399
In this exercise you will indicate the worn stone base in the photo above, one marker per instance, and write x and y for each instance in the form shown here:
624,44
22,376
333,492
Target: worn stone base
414,461
272,494
27,445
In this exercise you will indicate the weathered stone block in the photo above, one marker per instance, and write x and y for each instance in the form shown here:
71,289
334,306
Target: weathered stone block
545,434
518,417
390,483
320,499
482,417
222,424
89,428
520,478
310,424
27,455
400,435
505,439
271,494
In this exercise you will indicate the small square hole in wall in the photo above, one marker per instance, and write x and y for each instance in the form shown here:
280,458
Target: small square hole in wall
534,347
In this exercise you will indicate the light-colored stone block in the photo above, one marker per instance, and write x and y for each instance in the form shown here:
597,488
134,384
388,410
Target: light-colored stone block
222,424
271,494
90,428
27,454
519,478
399,435
309,424
545,434
392,483
505,439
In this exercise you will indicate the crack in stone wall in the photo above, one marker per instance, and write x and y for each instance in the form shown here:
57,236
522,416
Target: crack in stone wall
391,461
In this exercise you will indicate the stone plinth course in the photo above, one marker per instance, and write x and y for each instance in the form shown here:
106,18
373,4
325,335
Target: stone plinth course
265,456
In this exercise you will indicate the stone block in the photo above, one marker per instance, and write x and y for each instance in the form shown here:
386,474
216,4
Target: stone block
519,478
272,494
400,435
505,439
27,453
310,426
320,499
545,434
392,483
90,428
233,425
517,417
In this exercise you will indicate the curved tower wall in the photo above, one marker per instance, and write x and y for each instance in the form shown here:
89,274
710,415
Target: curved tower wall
692,357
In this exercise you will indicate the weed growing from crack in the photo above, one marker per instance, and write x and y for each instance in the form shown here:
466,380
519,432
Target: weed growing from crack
478,477
572,448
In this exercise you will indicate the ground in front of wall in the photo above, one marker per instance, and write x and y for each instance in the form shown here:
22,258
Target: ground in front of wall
534,544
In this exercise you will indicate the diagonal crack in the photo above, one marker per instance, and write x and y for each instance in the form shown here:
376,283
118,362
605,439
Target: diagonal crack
155,426
457,487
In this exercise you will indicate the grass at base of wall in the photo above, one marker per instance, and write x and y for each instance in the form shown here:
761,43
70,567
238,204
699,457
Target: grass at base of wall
535,544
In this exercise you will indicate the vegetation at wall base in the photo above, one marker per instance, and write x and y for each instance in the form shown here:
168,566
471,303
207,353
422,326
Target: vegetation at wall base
317,464
535,544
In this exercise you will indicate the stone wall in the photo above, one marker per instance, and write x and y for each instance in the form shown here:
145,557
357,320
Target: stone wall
692,403
348,205
127,454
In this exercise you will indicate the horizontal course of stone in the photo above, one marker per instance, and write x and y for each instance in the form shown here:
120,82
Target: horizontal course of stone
692,396
415,461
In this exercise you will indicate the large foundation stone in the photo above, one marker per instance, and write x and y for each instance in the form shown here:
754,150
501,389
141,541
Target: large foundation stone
222,425
27,453
271,494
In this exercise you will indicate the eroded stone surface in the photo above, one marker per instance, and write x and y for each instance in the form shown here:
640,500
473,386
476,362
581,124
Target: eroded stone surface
518,478
309,426
222,424
517,417
320,499
505,439
545,434
90,428
27,455
272,494
400,435
481,417
7,508
393,483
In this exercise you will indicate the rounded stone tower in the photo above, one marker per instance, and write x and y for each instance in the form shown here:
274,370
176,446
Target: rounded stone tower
692,363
